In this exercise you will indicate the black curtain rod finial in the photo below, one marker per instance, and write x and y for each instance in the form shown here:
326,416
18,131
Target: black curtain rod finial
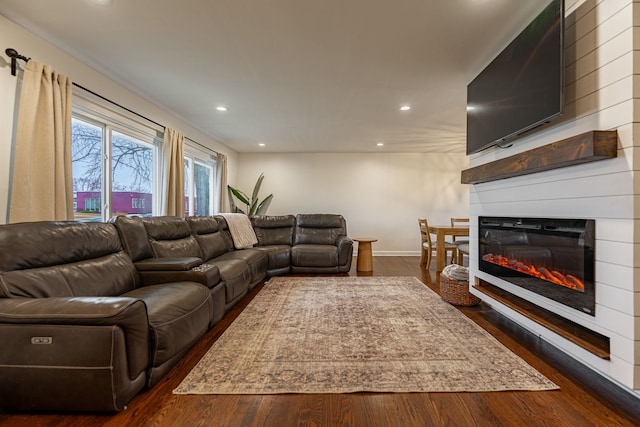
14,55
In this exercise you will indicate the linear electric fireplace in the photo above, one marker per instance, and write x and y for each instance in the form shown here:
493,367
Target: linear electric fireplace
551,257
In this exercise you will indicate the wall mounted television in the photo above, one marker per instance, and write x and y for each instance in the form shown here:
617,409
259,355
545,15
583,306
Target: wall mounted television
522,88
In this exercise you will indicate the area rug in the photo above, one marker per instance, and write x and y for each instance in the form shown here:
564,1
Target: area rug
356,334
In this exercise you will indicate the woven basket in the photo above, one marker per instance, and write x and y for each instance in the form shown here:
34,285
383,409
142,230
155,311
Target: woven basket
457,292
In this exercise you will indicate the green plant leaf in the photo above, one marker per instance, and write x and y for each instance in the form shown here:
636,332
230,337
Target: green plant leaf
239,195
256,188
262,207
254,206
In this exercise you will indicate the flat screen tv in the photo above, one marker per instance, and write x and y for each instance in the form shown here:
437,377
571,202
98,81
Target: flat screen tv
522,88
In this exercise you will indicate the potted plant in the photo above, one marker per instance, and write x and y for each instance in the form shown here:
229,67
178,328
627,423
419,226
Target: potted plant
253,205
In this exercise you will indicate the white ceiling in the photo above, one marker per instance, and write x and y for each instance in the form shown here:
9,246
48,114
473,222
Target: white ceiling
298,75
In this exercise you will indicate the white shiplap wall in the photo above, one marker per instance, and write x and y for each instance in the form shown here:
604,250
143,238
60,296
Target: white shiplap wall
601,93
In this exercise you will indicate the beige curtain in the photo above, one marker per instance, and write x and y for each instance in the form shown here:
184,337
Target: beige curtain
222,200
172,173
41,184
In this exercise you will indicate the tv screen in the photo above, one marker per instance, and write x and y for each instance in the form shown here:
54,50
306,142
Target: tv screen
522,87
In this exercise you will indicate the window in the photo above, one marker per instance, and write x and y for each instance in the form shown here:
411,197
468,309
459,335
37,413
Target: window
86,161
132,175
137,203
92,205
199,173
114,162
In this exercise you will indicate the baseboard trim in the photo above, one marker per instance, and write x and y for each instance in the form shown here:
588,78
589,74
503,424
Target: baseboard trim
391,253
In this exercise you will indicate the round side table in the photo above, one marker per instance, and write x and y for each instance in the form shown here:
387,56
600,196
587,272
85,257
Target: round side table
365,257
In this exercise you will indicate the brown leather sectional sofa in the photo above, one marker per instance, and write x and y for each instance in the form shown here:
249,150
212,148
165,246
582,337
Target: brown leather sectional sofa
91,313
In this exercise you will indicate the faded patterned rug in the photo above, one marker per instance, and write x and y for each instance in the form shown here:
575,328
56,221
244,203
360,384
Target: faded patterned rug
353,334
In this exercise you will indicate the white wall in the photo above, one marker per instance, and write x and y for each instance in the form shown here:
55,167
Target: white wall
381,195
599,95
30,45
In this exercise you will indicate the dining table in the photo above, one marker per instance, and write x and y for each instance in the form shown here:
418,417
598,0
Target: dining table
441,232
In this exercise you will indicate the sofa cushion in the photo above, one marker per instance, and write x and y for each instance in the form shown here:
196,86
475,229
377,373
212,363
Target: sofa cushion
171,237
133,236
314,255
63,259
179,314
274,230
319,229
202,224
206,231
236,276
223,227
256,260
278,258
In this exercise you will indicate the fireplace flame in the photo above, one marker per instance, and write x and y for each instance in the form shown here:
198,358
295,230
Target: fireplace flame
566,280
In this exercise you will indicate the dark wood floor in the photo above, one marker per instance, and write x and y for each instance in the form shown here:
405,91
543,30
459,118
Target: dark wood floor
584,398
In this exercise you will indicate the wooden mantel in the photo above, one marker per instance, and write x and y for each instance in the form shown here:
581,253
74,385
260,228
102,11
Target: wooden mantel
584,148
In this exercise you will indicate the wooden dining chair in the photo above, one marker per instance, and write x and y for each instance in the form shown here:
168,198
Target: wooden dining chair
462,243
459,221
428,246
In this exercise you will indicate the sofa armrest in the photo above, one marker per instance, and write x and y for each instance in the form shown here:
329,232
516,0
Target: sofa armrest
345,249
128,314
154,271
167,264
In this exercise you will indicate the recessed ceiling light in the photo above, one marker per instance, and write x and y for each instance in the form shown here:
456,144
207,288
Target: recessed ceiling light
405,108
102,2
262,144
380,144
222,108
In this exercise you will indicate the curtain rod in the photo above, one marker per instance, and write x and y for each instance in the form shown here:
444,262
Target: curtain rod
14,55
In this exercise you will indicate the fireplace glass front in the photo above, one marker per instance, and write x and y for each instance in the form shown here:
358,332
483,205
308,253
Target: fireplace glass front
554,258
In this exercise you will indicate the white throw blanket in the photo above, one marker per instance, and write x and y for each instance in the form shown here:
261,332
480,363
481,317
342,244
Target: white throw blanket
241,230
